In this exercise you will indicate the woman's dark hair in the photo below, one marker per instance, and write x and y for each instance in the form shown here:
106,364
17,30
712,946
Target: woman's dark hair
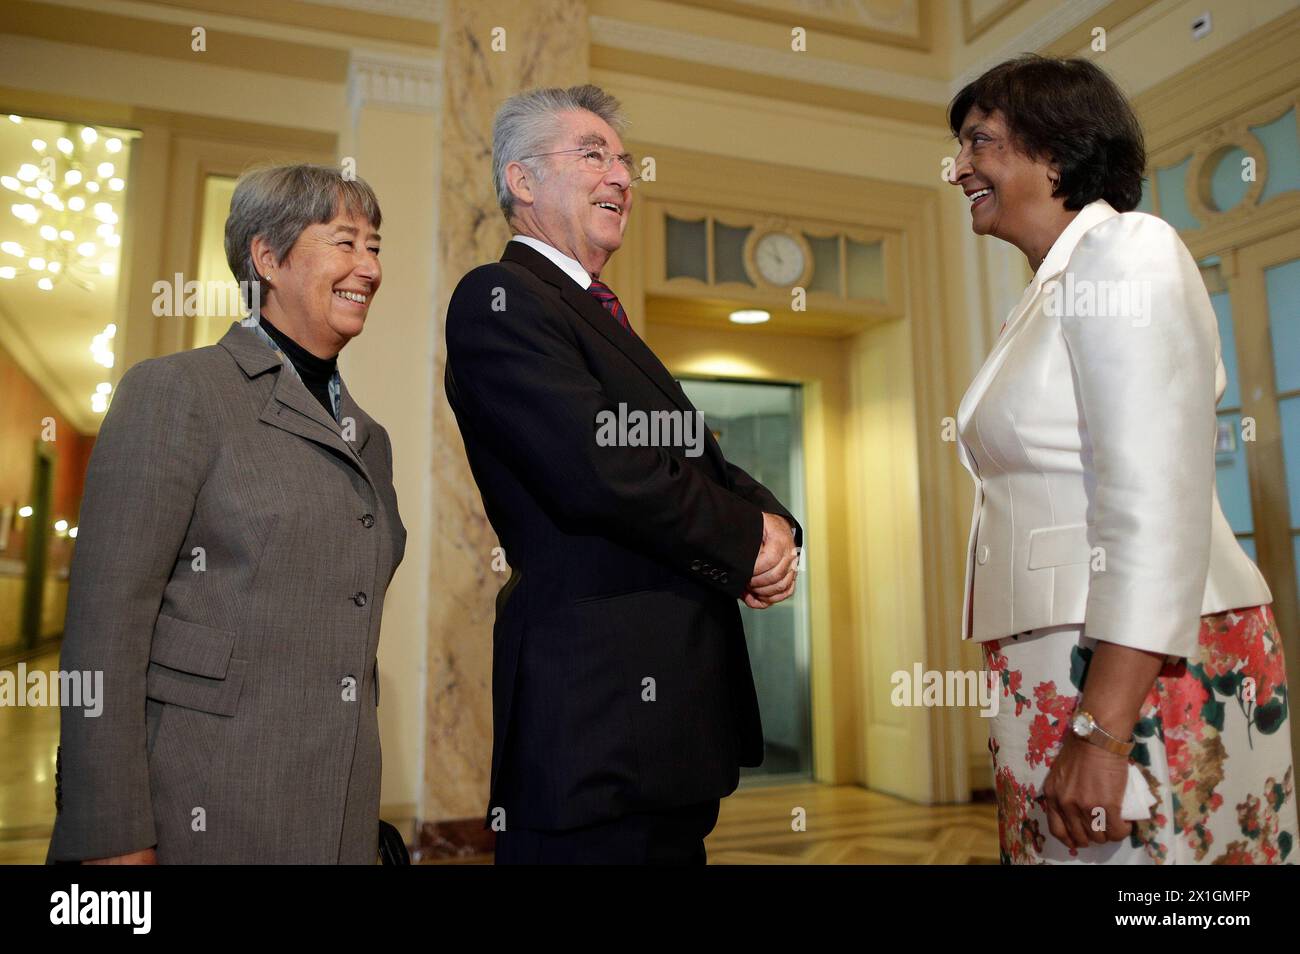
1069,112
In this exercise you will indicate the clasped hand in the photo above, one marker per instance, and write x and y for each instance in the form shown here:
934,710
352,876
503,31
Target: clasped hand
1083,779
776,567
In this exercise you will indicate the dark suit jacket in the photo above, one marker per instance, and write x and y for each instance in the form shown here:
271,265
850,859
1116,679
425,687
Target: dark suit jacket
620,677
223,678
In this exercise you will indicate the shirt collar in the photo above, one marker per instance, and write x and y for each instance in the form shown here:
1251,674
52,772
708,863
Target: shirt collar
335,386
570,266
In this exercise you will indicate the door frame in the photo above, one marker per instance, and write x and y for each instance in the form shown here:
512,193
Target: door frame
1269,498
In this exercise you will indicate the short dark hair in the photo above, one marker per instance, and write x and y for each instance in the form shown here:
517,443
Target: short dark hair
1070,112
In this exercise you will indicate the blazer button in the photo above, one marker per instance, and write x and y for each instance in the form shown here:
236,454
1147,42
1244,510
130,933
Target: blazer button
367,520
695,566
359,598
982,555
723,578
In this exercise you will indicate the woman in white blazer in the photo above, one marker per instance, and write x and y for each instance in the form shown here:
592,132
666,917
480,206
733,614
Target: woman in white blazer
1144,702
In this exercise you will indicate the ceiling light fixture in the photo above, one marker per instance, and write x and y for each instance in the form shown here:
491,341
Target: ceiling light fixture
77,194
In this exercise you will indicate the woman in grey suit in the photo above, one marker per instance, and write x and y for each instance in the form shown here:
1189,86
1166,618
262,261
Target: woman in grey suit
238,532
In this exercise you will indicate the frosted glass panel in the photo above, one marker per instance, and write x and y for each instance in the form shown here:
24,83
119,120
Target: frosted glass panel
1279,139
1227,187
1232,477
1295,547
729,254
1282,283
686,254
758,428
826,264
866,269
1173,197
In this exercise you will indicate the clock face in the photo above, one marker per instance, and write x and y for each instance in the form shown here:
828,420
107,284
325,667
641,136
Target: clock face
779,258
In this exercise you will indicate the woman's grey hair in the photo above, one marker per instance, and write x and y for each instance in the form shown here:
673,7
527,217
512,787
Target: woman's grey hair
525,125
279,202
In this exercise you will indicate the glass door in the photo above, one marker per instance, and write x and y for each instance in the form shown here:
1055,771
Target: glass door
757,425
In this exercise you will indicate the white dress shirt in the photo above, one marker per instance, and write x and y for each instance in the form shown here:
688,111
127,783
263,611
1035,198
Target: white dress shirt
570,266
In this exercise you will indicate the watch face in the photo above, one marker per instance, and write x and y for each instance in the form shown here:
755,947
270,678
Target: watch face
1081,724
779,258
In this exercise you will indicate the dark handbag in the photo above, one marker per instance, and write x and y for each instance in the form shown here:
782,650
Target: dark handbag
392,848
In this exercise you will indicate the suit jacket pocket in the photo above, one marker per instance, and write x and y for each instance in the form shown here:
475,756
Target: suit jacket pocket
190,665
672,586
1059,546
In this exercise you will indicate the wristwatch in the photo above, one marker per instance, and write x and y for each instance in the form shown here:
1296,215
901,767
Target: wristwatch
1085,727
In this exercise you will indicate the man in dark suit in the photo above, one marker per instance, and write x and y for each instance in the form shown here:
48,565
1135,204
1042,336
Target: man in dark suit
623,702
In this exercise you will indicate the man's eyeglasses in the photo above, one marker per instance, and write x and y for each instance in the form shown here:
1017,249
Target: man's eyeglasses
597,159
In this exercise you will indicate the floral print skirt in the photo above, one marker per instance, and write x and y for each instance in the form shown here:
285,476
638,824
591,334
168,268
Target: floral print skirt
1213,743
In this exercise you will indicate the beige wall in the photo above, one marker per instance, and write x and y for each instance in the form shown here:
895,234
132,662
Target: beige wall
390,368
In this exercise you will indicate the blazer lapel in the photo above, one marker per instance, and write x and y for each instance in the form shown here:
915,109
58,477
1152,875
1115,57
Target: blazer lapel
351,418
591,311
1052,266
994,361
291,407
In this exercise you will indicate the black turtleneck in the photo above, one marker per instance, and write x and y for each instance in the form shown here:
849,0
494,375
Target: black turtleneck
315,372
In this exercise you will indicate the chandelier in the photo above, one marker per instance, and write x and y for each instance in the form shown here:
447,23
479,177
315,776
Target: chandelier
68,199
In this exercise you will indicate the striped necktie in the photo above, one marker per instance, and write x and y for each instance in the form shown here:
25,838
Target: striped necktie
602,293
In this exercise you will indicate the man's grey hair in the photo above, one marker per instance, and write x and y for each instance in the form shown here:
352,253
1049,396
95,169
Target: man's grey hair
525,125
278,202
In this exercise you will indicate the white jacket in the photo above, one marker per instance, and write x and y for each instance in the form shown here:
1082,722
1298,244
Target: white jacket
1090,433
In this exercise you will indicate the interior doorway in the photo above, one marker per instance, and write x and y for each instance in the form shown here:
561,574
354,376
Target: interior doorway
758,426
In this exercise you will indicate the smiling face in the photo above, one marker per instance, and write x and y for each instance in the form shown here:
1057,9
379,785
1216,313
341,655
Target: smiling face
320,293
576,209
1011,191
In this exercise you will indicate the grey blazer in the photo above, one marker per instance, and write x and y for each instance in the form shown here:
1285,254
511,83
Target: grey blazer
233,551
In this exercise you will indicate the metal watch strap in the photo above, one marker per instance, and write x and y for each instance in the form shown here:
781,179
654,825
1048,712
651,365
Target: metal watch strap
1103,739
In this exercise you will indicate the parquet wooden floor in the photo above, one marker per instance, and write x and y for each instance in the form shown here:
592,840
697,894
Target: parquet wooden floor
845,825
849,825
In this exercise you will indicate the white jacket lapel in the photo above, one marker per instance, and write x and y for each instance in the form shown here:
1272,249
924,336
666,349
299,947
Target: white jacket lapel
1053,265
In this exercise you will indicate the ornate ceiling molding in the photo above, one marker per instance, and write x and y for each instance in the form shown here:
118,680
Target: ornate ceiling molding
394,82
1045,30
430,11
744,57
902,23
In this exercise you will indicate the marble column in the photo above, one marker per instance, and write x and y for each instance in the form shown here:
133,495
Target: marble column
545,44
